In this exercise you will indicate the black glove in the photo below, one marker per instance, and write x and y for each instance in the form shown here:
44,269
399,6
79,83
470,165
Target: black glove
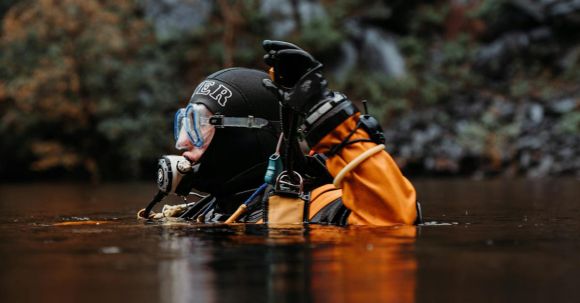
298,82
310,90
299,85
289,62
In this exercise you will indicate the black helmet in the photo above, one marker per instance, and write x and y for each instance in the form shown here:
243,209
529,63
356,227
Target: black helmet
236,158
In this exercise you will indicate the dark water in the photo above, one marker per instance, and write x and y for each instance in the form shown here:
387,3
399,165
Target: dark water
494,241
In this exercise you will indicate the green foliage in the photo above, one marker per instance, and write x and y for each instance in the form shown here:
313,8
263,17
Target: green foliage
489,10
386,95
456,51
571,65
429,18
570,123
436,68
320,35
472,136
340,9
433,89
89,86
415,51
89,91
520,88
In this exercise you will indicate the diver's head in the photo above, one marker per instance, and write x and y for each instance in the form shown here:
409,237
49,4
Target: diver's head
230,129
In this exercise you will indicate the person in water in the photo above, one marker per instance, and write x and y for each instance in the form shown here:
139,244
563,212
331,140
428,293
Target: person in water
238,118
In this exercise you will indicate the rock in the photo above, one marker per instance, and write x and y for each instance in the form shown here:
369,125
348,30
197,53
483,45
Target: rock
568,60
543,169
564,9
563,106
536,113
282,14
524,134
348,60
382,54
534,9
493,58
503,109
173,18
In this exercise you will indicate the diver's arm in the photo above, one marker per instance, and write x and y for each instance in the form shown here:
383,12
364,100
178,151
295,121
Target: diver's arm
375,190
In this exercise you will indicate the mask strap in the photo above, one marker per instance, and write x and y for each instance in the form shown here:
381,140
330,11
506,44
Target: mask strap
221,121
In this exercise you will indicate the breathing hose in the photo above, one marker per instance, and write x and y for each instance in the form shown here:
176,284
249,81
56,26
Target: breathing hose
158,197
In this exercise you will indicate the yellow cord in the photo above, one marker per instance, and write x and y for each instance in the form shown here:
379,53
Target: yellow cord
354,163
240,211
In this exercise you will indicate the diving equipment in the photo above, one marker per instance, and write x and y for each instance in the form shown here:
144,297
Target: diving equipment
173,174
199,124
170,174
192,121
237,156
244,118
289,62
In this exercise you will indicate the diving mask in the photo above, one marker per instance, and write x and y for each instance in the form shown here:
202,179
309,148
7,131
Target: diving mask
174,176
192,124
196,123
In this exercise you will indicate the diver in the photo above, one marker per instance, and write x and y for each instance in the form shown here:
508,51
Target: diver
280,147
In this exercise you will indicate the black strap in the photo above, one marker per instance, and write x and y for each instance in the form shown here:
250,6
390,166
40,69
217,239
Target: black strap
201,207
419,219
158,197
345,142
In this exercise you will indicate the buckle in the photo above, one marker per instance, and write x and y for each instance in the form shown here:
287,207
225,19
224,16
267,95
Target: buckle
289,183
217,121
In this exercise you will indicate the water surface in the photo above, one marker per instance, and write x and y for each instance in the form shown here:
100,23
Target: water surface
484,241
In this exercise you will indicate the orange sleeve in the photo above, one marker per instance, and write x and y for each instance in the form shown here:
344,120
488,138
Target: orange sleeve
375,191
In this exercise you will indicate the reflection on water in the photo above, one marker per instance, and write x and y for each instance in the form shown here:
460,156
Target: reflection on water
313,263
484,241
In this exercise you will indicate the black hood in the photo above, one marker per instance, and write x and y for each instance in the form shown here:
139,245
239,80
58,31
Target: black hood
236,158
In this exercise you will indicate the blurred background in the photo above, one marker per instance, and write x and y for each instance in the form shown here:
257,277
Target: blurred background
469,88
